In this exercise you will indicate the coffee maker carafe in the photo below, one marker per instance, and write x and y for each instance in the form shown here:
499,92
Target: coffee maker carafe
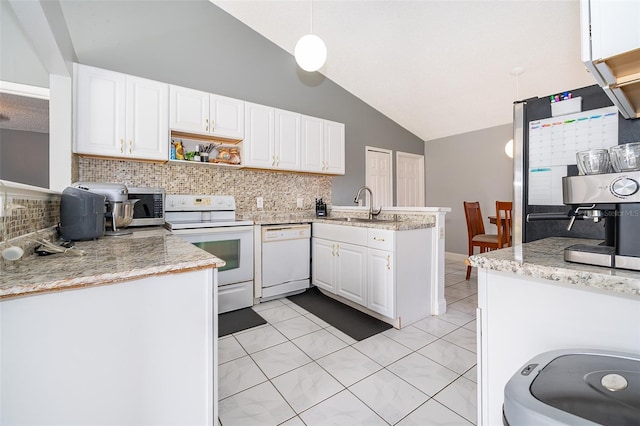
614,198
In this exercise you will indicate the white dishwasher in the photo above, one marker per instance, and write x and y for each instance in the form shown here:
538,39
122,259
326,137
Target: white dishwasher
286,260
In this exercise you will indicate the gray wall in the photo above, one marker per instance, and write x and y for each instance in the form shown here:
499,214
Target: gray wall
196,44
24,157
468,167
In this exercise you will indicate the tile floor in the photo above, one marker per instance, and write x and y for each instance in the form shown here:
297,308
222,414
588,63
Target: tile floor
299,370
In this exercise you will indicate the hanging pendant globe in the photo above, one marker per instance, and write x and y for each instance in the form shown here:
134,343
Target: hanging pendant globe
310,53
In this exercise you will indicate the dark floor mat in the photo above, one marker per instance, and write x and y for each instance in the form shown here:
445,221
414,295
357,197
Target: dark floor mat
234,321
345,318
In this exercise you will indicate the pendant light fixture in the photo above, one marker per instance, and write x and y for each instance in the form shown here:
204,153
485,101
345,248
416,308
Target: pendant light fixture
310,51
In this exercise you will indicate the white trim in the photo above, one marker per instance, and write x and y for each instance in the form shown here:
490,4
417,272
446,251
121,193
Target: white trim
24,90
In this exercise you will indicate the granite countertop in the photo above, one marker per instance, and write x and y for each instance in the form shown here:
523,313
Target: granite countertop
544,259
107,260
403,224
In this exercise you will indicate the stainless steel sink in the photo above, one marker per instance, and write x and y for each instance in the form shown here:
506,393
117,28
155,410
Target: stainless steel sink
358,220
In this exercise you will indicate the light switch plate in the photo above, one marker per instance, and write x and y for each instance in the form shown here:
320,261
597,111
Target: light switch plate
259,202
300,202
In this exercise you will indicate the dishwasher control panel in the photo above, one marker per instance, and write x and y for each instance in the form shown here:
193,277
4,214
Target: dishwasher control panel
285,232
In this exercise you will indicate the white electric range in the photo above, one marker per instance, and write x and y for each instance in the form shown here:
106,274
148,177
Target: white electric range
209,222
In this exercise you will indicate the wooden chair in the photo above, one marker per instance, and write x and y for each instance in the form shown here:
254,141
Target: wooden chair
475,230
503,222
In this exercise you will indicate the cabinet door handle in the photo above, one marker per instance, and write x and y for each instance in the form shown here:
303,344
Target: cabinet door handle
378,239
333,249
273,160
213,125
130,147
206,122
338,250
277,160
389,261
121,146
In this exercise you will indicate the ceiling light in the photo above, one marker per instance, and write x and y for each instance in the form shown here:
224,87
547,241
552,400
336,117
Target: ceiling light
508,148
310,51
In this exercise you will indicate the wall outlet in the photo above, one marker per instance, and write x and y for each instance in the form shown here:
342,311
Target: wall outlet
260,202
300,203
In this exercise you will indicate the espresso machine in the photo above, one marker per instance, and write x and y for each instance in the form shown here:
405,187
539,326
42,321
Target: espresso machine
615,199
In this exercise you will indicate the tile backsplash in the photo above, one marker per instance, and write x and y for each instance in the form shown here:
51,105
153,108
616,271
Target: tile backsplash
279,190
36,215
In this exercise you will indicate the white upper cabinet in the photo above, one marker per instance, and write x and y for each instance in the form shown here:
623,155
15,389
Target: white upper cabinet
614,26
258,146
200,112
272,138
334,147
322,146
287,140
118,115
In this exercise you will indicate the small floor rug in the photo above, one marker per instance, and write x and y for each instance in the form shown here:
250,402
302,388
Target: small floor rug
350,321
234,321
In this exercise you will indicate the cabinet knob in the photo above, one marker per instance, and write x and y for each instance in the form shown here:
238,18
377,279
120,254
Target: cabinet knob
121,146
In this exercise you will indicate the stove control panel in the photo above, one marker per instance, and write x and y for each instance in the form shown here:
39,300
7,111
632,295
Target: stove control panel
181,202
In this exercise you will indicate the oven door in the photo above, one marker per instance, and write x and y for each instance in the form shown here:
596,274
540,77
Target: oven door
233,244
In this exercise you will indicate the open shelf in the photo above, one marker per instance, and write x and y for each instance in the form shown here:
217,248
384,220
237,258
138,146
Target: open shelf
622,74
222,150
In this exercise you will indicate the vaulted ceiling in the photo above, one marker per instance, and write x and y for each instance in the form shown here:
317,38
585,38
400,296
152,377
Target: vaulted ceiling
437,68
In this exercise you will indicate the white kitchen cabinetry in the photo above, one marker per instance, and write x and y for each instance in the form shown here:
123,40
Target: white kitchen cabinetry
134,353
339,262
384,272
380,262
547,316
322,146
611,50
258,146
272,138
118,115
194,111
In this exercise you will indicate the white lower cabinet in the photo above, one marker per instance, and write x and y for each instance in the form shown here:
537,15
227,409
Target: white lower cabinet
381,282
351,272
383,271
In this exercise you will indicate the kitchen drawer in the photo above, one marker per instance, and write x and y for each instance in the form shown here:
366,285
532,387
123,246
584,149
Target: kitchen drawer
341,233
380,239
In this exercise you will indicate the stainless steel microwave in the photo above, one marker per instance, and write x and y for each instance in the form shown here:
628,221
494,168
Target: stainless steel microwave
149,210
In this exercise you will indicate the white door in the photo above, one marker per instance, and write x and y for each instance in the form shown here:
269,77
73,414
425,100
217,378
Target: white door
409,180
379,176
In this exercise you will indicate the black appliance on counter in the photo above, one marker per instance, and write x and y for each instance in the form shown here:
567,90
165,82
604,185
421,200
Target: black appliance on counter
321,208
82,214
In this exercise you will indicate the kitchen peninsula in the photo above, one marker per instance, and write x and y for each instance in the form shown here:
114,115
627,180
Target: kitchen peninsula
531,301
121,335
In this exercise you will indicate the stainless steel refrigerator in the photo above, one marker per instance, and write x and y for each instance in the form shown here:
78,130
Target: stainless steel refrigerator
533,110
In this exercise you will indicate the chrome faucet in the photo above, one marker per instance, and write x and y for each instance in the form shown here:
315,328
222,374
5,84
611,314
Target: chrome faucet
372,213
